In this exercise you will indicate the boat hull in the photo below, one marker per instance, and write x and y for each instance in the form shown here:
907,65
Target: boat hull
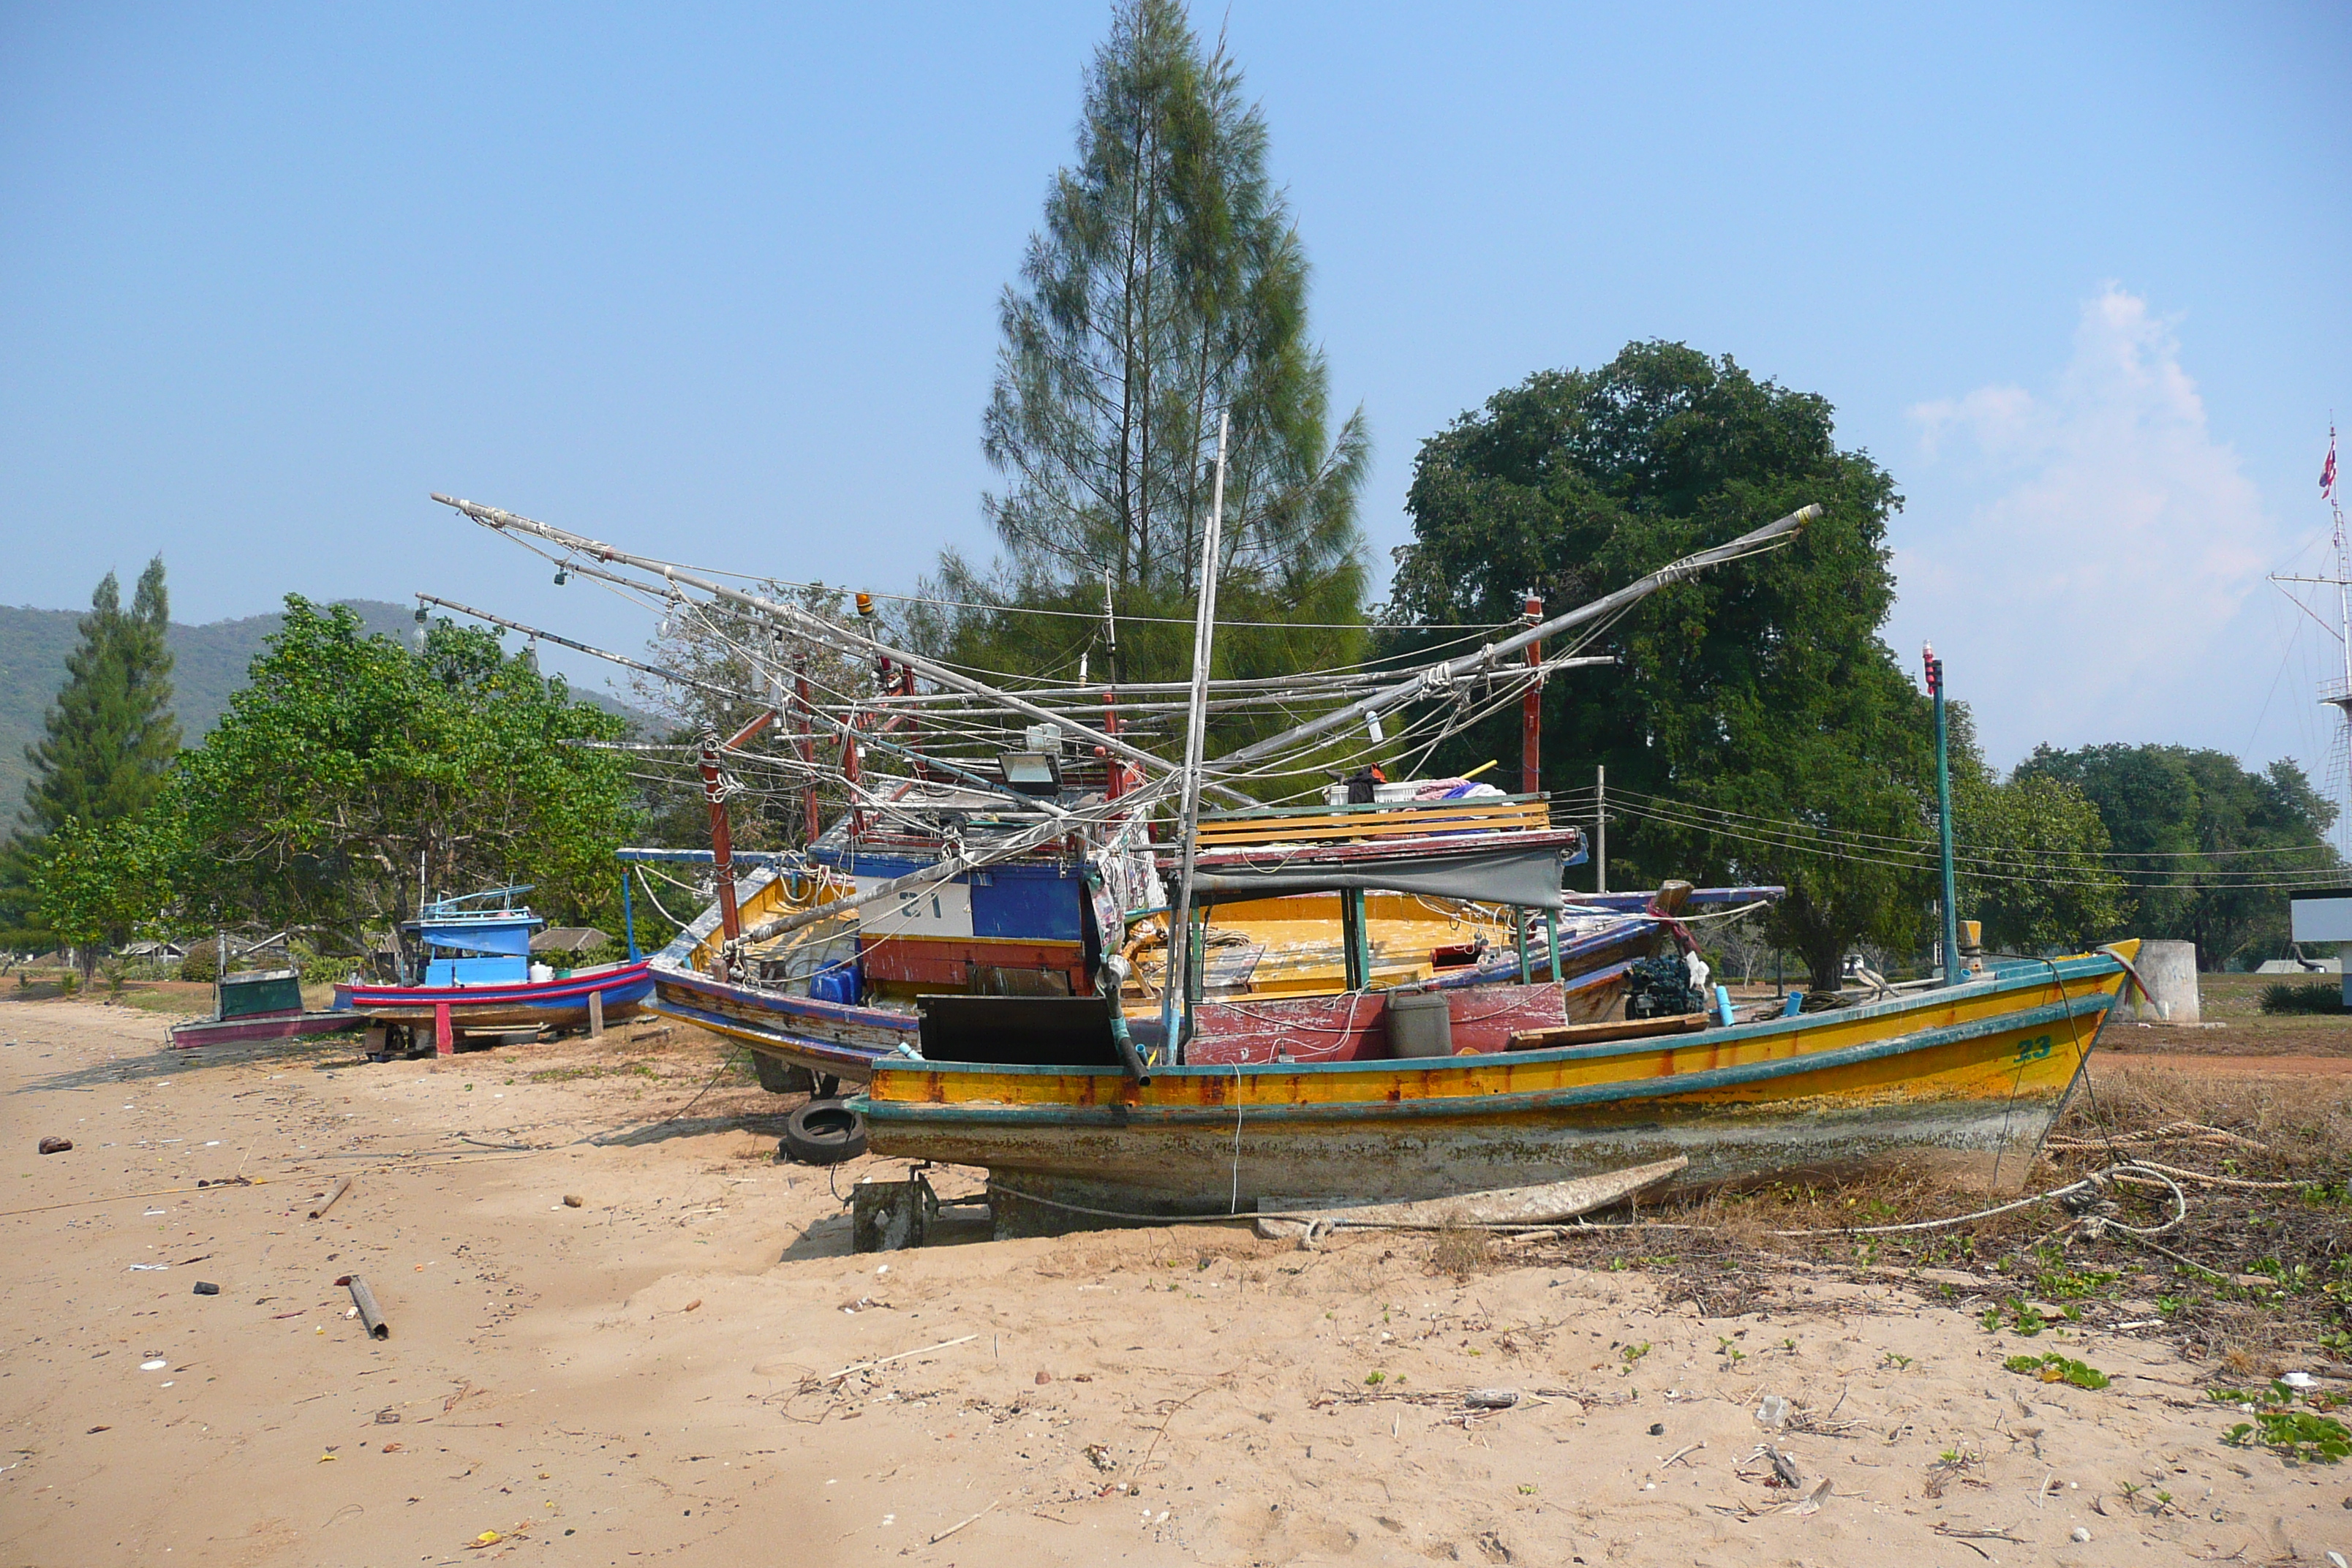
484,1009
1978,1071
836,1038
193,1032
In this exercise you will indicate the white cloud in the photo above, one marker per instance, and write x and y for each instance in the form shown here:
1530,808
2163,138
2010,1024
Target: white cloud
2078,554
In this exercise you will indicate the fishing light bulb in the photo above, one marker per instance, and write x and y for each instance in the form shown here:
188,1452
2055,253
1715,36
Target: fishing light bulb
560,575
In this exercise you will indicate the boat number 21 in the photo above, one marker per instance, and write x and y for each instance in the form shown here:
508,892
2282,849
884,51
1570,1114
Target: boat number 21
2035,1049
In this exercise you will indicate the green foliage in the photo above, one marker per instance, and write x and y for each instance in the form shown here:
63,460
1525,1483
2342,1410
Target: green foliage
2030,852
96,883
2306,996
1167,286
347,757
2054,1281
108,739
2025,1319
1762,688
2297,1434
2191,825
2057,1368
111,735
208,663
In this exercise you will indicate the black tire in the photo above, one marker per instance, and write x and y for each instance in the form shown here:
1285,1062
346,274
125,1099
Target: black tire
824,1133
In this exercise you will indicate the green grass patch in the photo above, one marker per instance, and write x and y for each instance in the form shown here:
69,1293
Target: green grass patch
566,1075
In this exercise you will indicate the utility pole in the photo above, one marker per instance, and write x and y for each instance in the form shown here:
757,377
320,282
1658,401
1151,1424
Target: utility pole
1600,827
1531,711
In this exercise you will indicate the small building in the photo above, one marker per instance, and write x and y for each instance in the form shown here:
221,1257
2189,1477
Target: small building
568,940
2324,918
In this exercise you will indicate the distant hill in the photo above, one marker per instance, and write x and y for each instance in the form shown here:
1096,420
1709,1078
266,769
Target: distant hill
209,663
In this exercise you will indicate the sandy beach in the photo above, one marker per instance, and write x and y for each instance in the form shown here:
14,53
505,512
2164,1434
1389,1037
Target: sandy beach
692,1366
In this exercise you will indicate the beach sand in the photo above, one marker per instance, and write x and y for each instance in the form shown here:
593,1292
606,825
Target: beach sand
662,1373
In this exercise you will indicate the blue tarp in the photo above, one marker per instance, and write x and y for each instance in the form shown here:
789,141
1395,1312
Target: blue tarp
508,936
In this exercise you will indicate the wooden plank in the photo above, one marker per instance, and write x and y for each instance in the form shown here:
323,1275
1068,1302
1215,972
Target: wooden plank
1416,825
1615,1029
1543,1205
1368,808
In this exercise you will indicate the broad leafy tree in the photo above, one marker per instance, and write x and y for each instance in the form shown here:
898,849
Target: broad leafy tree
95,884
1166,287
1757,726
2033,854
352,771
2200,840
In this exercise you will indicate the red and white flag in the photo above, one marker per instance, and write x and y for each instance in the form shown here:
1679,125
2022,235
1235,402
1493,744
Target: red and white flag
2327,469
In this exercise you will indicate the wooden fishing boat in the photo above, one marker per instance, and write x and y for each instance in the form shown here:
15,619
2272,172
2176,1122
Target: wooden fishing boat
475,976
261,1004
1979,1068
817,1008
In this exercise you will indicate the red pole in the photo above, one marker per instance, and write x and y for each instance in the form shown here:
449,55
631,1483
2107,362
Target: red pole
1531,714
849,773
723,840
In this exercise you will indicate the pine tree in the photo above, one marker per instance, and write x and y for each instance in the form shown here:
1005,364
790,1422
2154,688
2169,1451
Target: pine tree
1165,288
111,734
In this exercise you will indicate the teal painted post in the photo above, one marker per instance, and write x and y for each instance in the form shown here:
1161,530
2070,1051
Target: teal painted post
1519,938
1944,820
628,916
1552,944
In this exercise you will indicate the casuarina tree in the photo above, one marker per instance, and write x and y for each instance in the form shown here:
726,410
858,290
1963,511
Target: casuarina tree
1166,289
110,737
107,743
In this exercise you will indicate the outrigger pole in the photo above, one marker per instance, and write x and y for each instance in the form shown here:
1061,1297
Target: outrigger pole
816,715
812,627
624,660
1437,679
1196,724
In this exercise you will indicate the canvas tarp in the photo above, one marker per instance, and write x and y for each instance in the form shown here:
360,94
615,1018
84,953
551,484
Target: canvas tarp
1526,876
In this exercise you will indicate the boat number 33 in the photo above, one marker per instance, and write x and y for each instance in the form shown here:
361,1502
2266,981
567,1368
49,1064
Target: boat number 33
2033,1049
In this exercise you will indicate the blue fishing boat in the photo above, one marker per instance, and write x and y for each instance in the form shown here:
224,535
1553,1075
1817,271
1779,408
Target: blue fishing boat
473,975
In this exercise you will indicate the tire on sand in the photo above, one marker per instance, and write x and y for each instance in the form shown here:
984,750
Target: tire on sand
824,1133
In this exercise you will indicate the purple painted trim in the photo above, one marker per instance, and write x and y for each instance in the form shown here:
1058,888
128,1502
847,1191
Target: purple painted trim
629,983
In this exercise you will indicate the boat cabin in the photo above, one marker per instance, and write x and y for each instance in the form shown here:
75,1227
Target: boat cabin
479,939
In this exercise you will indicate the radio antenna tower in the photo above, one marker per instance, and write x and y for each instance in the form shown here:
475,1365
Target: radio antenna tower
2337,692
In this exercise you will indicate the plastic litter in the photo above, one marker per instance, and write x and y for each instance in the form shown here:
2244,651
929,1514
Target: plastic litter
158,1365
1773,1412
2301,1382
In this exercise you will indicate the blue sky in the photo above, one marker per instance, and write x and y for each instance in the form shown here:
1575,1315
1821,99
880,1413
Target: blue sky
721,282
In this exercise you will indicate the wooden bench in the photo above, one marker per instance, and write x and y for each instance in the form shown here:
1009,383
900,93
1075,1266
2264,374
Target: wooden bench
1396,819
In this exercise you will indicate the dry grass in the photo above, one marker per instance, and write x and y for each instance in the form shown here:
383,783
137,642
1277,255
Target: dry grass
1461,1251
2253,1281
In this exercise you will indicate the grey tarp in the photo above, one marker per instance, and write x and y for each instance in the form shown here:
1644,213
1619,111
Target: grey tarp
1529,876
